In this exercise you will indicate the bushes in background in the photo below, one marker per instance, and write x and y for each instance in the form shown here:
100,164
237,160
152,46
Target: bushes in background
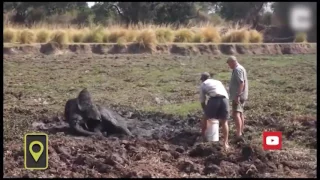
117,34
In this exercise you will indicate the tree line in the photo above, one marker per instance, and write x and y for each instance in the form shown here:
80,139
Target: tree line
134,12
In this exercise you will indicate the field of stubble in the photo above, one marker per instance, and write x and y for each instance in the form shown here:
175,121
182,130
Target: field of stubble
159,96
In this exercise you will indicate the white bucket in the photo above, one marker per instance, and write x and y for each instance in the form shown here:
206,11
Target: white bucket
212,131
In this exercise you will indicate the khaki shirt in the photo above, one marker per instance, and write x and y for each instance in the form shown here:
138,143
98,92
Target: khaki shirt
239,74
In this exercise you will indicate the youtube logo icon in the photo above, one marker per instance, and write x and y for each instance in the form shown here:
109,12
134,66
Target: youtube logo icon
272,140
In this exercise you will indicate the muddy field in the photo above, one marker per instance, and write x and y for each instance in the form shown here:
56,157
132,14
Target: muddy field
158,95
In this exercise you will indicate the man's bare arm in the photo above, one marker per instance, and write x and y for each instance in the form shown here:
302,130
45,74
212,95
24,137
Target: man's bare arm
241,87
202,98
240,78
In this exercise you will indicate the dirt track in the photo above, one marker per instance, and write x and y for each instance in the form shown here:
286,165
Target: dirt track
165,145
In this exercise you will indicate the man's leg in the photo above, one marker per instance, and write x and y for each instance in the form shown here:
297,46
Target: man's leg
203,125
242,122
236,113
211,111
224,116
225,132
242,117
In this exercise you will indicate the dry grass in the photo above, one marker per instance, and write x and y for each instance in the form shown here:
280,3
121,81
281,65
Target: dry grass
43,36
9,35
236,36
147,39
183,36
121,34
198,37
211,34
300,38
60,37
94,36
164,35
78,37
27,37
255,37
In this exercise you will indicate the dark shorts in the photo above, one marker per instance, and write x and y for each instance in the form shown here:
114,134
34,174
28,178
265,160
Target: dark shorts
217,108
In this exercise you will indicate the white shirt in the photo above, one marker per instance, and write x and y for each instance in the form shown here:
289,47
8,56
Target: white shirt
212,88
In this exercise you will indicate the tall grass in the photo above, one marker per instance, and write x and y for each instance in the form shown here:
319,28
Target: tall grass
211,34
9,35
147,39
43,35
27,37
300,38
140,33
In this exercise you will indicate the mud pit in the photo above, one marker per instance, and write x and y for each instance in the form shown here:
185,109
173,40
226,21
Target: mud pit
165,145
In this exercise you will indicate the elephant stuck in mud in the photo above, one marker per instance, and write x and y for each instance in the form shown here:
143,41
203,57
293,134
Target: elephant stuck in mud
86,118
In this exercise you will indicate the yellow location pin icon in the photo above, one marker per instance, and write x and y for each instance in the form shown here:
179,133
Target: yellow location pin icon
36,155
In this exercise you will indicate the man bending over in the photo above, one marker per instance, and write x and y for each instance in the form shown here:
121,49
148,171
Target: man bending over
217,106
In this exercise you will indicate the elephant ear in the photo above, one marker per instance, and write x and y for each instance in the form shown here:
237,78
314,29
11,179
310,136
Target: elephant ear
84,100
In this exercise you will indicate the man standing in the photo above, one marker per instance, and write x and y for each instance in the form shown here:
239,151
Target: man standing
217,106
238,90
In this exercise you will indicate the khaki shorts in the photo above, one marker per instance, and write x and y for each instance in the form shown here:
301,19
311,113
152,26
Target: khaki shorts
238,107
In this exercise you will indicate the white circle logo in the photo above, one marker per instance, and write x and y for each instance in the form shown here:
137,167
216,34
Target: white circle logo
300,18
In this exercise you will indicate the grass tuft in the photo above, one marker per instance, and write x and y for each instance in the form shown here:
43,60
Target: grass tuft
164,35
131,35
236,36
198,37
211,34
255,36
117,34
61,37
27,37
183,36
121,41
147,38
105,37
43,36
94,36
300,38
9,35
78,37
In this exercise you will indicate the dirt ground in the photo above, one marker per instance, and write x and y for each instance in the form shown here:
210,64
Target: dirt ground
184,49
158,94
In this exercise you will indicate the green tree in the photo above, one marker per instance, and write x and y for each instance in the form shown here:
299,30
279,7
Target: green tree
247,12
155,12
103,13
31,12
135,12
85,16
176,12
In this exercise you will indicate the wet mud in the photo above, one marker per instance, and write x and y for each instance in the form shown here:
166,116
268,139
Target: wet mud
164,146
